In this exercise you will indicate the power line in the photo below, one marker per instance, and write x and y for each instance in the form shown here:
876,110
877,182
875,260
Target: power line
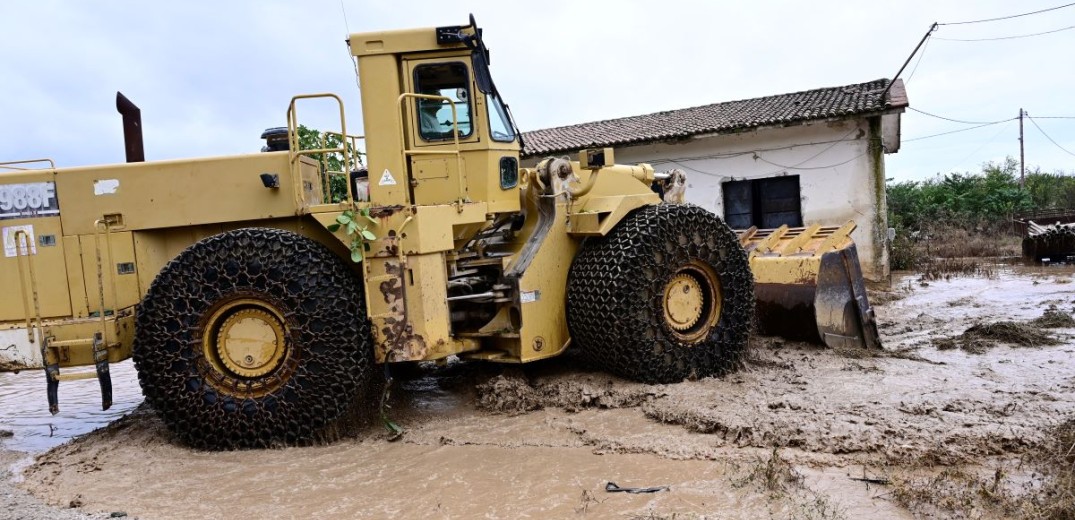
767,174
1056,117
1009,17
983,145
811,167
729,155
346,26
1047,136
956,120
916,63
960,130
1004,37
812,157
783,168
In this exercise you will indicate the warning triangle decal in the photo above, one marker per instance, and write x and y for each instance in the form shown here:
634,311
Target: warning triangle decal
387,179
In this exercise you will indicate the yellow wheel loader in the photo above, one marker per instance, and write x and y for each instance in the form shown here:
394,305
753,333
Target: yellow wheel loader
257,293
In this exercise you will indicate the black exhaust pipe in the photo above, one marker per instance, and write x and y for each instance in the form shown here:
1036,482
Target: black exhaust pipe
132,128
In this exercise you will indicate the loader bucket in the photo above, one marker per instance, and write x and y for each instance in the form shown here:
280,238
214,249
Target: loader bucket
808,285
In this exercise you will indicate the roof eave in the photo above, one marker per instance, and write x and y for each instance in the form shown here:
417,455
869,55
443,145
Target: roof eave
733,131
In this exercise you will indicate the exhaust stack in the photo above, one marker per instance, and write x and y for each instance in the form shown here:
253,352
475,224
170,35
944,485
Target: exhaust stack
132,128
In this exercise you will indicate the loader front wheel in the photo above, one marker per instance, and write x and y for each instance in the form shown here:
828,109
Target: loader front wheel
666,295
252,338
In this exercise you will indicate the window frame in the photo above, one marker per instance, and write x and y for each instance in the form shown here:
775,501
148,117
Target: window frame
415,72
756,200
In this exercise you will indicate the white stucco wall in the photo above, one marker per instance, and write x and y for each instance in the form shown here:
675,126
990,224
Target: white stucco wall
838,180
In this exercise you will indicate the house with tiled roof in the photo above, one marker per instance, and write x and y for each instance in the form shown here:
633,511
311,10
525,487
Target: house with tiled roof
808,157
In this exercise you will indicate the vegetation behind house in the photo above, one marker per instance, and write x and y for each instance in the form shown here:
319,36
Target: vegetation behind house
960,215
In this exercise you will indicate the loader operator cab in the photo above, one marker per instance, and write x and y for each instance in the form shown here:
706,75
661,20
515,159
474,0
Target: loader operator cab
445,137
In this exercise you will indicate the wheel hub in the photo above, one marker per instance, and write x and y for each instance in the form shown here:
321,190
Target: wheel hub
251,343
683,301
692,302
245,341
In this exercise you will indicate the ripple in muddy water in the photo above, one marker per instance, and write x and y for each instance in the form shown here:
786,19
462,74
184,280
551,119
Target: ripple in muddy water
24,408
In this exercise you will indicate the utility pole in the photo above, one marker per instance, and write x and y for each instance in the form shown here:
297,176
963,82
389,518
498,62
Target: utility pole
1022,162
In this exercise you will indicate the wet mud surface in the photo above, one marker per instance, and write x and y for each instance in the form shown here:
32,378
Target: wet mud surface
799,432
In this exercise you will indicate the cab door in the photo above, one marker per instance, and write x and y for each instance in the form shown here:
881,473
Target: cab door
436,166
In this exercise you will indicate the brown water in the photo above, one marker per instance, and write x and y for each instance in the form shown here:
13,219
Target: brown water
542,442
24,408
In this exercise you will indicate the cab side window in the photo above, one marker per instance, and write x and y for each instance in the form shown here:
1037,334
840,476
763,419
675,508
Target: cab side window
448,80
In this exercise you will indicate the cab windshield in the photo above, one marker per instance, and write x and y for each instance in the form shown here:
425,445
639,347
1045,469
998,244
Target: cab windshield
499,121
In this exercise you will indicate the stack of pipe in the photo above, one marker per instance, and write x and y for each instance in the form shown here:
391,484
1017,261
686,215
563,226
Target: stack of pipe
1055,242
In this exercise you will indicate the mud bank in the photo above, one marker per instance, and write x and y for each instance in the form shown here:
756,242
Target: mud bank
18,503
799,432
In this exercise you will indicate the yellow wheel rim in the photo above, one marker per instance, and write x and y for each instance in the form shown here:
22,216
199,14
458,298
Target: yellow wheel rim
251,342
683,302
245,341
692,302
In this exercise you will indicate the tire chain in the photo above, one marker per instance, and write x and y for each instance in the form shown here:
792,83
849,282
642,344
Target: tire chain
323,305
616,285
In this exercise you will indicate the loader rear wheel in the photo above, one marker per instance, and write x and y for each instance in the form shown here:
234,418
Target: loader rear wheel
252,338
666,295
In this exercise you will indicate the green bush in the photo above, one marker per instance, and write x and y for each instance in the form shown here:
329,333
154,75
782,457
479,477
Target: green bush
312,139
969,214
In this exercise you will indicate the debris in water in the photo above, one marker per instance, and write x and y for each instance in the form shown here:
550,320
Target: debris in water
1054,318
611,487
983,336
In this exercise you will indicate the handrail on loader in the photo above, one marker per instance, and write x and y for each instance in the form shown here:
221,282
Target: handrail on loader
24,245
455,135
295,151
9,165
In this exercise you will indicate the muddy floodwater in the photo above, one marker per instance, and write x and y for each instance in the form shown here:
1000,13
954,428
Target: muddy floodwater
799,432
24,408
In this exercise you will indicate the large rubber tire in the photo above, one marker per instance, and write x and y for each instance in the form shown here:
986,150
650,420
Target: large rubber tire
285,284
618,293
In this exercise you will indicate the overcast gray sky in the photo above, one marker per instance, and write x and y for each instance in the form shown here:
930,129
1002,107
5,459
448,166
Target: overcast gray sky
210,76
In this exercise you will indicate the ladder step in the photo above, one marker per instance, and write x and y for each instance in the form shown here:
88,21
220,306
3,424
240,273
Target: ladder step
100,362
75,376
80,342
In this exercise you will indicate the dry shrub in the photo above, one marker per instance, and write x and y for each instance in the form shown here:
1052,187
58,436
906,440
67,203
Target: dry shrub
946,268
778,479
1048,493
956,242
959,493
926,250
1056,457
774,475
